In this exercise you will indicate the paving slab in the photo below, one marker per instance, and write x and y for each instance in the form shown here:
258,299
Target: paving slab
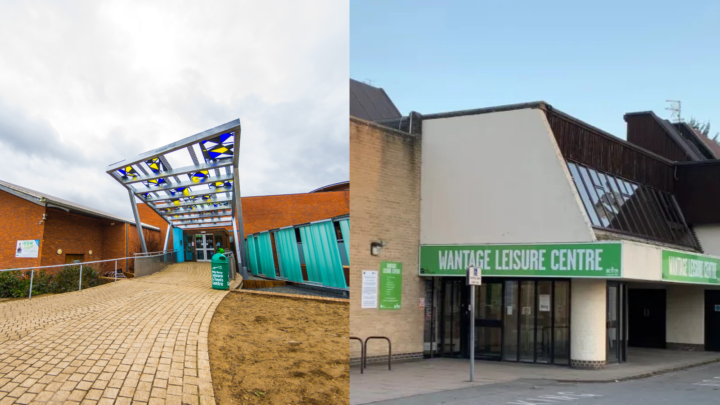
442,374
135,341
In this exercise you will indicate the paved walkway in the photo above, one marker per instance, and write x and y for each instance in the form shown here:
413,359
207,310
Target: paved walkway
423,377
140,341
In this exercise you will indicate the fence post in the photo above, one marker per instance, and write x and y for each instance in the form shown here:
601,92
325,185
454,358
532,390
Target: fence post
80,285
115,271
32,274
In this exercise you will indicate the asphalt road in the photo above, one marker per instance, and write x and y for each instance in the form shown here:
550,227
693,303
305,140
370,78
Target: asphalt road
694,386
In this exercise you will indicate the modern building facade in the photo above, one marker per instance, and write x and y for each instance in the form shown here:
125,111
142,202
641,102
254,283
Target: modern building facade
588,244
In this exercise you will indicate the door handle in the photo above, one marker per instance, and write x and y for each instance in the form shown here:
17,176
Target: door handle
646,312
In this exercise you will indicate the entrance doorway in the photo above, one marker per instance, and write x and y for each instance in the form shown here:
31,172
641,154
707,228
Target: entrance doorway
646,314
515,320
616,323
712,320
204,247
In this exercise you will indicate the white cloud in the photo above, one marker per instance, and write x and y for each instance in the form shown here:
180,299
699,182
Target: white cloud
84,84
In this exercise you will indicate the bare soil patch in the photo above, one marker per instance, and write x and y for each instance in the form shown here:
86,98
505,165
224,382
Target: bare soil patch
278,350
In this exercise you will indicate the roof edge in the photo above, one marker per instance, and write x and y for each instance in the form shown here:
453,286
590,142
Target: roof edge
477,111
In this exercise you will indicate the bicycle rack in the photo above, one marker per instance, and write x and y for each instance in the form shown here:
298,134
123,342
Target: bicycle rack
362,352
389,350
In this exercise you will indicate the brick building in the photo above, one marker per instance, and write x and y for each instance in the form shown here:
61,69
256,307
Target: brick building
589,245
58,231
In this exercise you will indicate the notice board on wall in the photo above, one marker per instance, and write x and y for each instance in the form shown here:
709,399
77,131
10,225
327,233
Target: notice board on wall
390,296
27,248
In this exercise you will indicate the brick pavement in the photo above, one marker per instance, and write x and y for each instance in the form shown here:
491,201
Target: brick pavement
140,341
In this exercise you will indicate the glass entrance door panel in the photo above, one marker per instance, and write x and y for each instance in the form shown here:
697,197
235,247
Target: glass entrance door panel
488,321
451,314
561,305
200,248
613,322
543,346
209,247
510,321
527,321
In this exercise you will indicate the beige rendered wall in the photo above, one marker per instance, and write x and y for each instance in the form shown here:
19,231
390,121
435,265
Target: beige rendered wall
497,178
685,314
709,237
385,205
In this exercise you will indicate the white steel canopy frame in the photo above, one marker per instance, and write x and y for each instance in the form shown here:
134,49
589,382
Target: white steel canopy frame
186,192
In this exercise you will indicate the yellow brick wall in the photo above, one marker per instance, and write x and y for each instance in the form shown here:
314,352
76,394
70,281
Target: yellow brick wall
385,205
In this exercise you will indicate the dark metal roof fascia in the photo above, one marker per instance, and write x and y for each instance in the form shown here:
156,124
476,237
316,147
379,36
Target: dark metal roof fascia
672,132
477,111
22,195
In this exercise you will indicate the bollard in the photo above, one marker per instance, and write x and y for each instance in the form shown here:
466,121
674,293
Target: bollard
32,274
80,285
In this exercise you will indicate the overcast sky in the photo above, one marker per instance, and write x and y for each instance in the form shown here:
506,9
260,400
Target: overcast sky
84,84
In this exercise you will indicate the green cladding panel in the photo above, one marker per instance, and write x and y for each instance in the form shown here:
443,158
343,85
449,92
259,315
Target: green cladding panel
265,254
288,256
345,229
322,255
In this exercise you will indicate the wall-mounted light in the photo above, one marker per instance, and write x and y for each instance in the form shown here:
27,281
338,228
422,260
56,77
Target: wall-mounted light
59,251
376,247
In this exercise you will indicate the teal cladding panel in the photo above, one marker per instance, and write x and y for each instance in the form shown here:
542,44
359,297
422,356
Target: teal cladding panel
252,254
322,257
178,244
345,229
288,256
267,261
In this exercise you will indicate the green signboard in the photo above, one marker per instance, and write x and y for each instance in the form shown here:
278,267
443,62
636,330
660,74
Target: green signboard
689,268
390,295
599,259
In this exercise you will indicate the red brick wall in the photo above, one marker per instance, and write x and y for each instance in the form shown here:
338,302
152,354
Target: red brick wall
275,211
114,244
20,221
148,216
74,234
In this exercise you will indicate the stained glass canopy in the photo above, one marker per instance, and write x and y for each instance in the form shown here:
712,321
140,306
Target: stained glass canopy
186,191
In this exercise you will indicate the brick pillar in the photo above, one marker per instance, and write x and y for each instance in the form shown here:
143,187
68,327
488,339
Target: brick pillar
588,336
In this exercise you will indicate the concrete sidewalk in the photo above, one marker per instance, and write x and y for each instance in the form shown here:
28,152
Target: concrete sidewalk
415,378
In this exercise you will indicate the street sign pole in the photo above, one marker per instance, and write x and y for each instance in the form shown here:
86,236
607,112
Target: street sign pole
473,277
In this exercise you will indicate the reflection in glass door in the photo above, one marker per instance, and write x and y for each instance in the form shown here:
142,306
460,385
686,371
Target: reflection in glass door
527,321
543,347
561,323
450,328
510,322
616,322
204,248
488,321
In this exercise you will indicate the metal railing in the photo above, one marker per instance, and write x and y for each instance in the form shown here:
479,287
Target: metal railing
233,265
147,265
142,254
168,255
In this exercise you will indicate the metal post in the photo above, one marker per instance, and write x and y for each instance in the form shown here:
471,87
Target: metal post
240,232
138,224
472,333
80,284
167,237
115,271
32,274
237,237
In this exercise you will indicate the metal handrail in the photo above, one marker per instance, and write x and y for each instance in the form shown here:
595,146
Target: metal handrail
74,264
362,351
389,349
159,252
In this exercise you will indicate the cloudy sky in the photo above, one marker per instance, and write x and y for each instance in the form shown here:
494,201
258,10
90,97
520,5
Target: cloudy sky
84,84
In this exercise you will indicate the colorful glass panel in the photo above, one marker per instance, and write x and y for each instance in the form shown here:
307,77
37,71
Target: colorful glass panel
219,147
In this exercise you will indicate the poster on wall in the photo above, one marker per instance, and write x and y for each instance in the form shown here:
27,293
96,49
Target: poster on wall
27,248
369,289
390,285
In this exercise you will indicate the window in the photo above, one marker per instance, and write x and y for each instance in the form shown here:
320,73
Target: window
616,204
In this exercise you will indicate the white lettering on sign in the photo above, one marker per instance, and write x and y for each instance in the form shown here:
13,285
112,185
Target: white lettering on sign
684,267
522,259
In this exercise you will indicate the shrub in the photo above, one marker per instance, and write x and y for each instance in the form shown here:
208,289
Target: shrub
16,284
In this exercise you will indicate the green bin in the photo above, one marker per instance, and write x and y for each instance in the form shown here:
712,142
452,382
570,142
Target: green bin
220,272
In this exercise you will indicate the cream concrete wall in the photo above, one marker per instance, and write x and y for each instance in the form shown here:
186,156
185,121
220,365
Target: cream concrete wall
685,314
641,261
709,237
497,178
588,338
385,205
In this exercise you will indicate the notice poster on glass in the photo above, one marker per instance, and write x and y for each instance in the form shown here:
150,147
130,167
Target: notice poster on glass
544,302
369,289
390,296
27,248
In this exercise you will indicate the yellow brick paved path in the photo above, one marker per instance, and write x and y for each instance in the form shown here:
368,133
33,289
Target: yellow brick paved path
140,341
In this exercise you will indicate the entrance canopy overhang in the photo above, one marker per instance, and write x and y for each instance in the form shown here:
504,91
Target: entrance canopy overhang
192,183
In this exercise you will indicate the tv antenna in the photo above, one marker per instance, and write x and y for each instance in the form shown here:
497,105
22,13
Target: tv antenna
675,110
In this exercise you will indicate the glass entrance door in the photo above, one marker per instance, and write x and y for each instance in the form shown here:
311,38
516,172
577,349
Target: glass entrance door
488,321
204,247
616,322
